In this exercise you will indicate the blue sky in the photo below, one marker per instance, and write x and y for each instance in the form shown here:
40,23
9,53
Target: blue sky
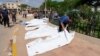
34,3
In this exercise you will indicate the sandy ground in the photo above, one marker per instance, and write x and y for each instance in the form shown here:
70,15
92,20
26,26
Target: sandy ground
81,45
6,35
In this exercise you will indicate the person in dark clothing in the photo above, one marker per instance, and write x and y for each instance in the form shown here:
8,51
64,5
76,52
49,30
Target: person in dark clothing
63,23
0,17
1,20
14,16
5,17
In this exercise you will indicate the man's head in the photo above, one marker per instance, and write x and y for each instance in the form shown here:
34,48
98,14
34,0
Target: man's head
4,8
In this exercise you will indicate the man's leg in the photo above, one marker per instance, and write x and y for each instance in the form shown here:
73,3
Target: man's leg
23,15
60,28
67,28
7,22
12,19
15,18
4,20
0,20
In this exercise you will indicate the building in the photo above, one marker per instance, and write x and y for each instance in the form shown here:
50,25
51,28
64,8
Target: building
11,5
0,5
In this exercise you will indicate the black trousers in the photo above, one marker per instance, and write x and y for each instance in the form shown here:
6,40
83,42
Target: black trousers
14,18
60,27
24,15
0,20
6,21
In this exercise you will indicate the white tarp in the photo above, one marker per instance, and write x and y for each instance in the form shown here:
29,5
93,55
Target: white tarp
43,20
54,39
40,46
35,22
42,31
31,28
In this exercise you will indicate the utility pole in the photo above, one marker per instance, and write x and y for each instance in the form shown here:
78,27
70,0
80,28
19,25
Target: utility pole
45,8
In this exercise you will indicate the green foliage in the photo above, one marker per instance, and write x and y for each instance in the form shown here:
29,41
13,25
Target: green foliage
23,6
86,11
83,19
61,7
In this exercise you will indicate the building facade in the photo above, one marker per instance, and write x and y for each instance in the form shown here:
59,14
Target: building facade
11,5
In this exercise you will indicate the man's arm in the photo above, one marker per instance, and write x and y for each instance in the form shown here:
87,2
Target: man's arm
1,15
64,29
69,21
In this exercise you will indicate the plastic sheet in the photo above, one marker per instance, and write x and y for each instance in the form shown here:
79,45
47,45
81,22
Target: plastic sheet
38,28
40,45
42,31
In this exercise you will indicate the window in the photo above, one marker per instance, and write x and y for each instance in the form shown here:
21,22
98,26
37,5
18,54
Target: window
8,4
12,4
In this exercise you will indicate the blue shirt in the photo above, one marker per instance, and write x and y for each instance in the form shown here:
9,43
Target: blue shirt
5,13
64,19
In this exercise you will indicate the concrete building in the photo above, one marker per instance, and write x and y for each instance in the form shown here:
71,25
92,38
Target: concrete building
11,5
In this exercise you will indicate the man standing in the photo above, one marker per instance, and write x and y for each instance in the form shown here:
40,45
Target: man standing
64,22
25,14
0,17
14,16
5,17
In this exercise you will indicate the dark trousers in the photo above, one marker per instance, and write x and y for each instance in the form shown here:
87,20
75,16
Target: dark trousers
24,15
14,18
6,21
60,27
0,20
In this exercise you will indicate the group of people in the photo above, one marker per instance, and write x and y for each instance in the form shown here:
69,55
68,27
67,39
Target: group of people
64,20
5,15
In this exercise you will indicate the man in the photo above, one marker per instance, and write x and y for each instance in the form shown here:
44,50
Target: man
64,22
55,15
14,16
25,14
5,17
0,17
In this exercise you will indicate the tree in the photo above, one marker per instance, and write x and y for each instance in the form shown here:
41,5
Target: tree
23,6
61,7
94,3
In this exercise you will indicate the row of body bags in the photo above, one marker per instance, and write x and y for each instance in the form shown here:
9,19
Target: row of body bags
46,37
